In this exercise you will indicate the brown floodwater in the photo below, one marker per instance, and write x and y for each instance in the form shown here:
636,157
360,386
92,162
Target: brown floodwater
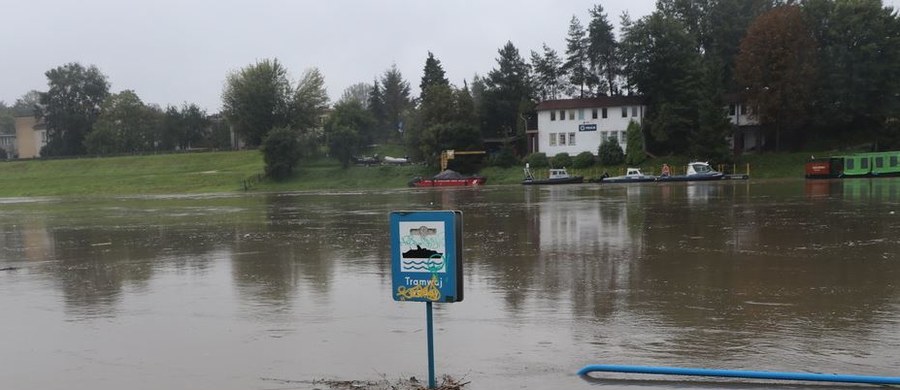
273,291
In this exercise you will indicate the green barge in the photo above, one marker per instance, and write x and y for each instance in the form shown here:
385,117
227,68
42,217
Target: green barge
872,164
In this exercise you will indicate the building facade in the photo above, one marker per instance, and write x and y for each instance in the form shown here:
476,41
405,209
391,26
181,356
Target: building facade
581,125
747,135
31,136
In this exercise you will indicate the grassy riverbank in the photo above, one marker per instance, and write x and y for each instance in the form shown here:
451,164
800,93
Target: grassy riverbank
232,171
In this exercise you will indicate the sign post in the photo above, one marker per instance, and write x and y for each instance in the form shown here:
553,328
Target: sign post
426,263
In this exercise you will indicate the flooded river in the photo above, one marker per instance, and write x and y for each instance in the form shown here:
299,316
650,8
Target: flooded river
272,291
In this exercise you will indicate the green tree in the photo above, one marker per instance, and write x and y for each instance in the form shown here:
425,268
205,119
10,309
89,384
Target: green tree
583,160
27,105
257,98
602,52
310,101
577,62
561,160
858,80
7,119
125,125
662,62
379,114
635,153
548,82
433,75
777,68
343,130
184,128
70,107
395,96
610,152
281,151
359,92
507,91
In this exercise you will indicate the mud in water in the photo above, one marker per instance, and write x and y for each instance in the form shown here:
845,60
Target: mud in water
278,291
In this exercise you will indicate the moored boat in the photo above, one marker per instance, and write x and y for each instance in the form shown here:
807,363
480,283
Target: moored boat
448,178
632,175
872,164
696,171
557,176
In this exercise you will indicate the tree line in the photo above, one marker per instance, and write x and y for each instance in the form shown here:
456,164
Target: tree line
817,74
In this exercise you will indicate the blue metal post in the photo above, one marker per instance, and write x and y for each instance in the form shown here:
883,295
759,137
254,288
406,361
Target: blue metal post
430,331
774,375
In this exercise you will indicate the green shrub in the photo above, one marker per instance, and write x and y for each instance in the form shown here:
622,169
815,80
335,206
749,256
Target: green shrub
561,160
635,155
538,160
583,160
505,158
281,150
610,153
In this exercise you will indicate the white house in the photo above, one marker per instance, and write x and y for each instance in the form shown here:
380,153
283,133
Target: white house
747,135
581,125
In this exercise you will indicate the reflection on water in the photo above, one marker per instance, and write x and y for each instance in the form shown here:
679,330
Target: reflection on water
221,291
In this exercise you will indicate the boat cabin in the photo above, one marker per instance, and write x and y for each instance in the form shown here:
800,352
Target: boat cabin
559,173
699,168
633,172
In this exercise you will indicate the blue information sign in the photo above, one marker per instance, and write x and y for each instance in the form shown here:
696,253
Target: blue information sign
587,127
426,256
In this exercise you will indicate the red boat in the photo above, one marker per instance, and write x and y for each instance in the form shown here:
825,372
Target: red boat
448,178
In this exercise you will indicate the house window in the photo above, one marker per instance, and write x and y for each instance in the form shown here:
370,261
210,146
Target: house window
624,112
562,138
732,109
562,115
634,111
572,115
879,162
744,109
603,136
571,138
552,115
848,164
864,163
552,139
893,161
594,113
581,114
622,135
604,112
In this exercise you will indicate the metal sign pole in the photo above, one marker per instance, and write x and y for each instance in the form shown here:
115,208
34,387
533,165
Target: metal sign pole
430,332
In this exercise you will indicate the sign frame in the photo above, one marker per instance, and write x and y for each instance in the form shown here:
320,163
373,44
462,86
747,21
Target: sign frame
432,270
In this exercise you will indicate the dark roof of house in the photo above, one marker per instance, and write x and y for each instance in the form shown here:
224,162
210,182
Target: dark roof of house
601,101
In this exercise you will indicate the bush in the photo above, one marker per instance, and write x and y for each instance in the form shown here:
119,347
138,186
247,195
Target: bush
611,153
281,151
583,160
561,160
538,160
635,154
504,158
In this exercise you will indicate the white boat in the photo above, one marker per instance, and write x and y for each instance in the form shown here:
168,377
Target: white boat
632,175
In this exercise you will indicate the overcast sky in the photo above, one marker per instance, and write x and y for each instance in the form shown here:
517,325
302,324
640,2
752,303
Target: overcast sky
176,51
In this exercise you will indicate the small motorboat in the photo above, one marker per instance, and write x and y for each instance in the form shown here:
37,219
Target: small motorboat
557,176
696,171
632,175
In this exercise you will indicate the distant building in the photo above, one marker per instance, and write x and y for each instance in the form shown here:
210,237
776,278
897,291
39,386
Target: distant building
8,144
747,135
581,125
31,136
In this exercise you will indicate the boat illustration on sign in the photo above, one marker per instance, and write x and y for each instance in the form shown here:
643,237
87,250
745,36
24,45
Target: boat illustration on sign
422,260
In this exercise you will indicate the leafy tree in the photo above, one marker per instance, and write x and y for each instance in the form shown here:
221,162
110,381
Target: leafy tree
310,101
504,158
663,64
538,160
379,114
858,80
507,94
444,122
184,128
7,119
257,98
396,102
70,107
777,68
359,93
281,151
610,152
583,160
576,65
635,153
602,52
433,75
343,130
561,160
548,81
125,125
27,105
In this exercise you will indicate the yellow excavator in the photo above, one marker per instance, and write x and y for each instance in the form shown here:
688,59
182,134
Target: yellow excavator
448,155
